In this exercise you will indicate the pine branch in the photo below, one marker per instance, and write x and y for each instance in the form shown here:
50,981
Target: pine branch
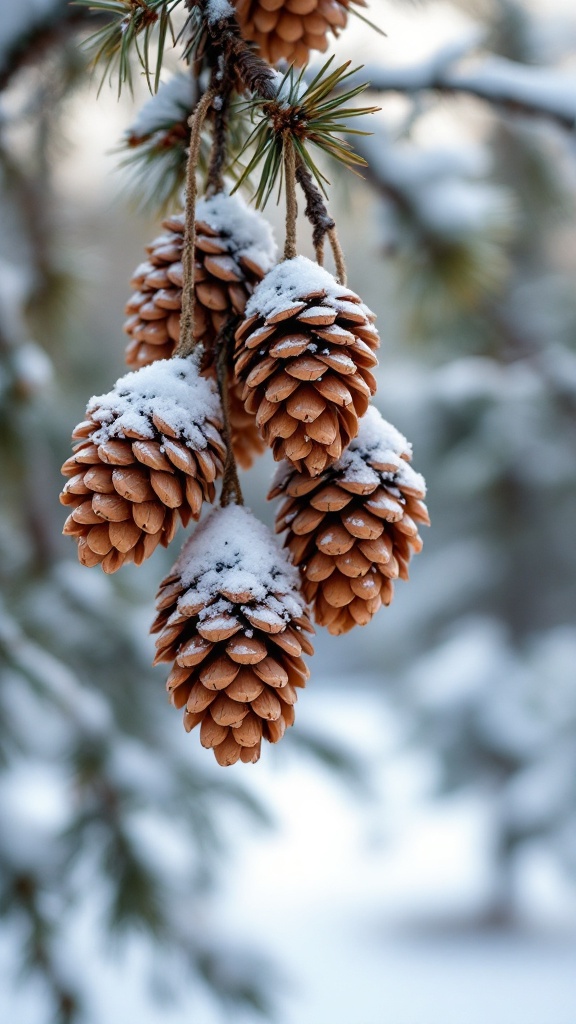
307,115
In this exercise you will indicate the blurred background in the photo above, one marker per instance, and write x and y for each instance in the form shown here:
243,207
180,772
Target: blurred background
408,853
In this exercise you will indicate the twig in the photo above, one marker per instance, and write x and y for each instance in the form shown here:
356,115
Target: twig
187,342
338,254
290,248
315,209
230,483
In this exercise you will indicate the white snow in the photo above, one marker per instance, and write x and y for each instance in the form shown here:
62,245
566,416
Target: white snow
546,90
550,91
291,281
218,9
172,103
287,83
172,388
443,185
233,551
378,441
249,232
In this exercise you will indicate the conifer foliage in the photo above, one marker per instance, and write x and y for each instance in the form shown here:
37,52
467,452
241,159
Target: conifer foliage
231,351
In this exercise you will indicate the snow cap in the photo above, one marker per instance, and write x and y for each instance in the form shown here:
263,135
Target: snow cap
233,552
377,442
248,231
172,103
292,281
171,388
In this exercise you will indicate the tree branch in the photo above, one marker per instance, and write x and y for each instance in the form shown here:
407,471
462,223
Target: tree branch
41,35
518,88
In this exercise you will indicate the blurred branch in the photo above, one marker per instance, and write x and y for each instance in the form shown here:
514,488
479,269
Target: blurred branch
40,36
517,88
23,897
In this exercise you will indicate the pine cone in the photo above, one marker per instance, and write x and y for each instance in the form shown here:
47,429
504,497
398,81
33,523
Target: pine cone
244,435
304,354
353,530
147,455
232,620
289,29
234,248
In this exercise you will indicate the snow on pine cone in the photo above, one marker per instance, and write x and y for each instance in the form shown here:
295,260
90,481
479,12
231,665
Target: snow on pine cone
232,620
146,456
289,29
353,530
304,353
234,248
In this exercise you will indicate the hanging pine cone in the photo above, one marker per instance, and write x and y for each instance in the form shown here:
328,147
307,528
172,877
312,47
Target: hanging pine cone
245,438
231,619
234,248
289,29
304,354
353,530
147,456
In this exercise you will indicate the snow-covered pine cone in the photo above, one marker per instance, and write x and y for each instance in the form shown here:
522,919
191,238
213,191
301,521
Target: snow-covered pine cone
304,353
234,248
289,29
232,620
147,455
353,530
231,239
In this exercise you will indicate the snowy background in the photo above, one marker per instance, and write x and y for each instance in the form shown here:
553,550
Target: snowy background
407,854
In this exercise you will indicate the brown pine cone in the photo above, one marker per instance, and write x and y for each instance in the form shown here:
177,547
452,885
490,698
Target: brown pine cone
353,530
231,619
304,354
289,29
234,248
244,435
147,456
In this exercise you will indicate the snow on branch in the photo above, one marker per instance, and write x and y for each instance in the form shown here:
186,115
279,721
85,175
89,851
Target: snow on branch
518,88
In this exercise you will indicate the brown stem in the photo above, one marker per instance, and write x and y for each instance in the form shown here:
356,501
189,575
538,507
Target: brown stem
315,209
222,90
187,343
252,73
338,254
231,489
290,249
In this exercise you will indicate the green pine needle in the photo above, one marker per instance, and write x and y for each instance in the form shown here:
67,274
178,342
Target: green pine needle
311,116
142,27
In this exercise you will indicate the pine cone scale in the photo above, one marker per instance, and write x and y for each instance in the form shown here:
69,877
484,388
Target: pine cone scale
240,688
353,531
233,251
284,358
120,490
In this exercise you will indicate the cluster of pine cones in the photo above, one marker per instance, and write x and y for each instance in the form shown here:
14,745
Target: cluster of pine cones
232,615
